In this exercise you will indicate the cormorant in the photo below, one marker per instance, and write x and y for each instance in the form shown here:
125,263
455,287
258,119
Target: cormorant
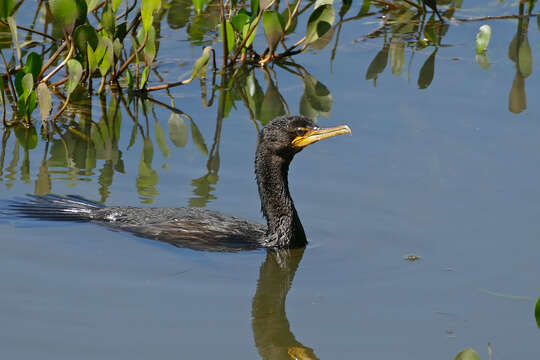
202,229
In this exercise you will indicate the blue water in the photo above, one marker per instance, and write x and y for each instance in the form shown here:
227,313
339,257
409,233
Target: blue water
447,173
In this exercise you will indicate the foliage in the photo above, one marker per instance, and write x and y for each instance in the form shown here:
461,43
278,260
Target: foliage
118,43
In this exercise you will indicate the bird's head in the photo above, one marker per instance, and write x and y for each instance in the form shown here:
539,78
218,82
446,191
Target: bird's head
287,135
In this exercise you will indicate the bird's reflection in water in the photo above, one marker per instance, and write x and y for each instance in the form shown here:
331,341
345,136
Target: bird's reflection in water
271,330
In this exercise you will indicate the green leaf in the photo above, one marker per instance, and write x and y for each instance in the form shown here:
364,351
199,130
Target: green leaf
272,28
537,312
117,48
27,85
75,72
44,101
271,106
513,49
130,79
149,50
482,38
161,140
144,77
95,57
31,104
199,67
178,131
285,18
21,106
14,35
317,94
108,20
525,58
27,136
427,72
116,4
246,30
121,31
108,57
378,64
5,8
18,82
482,60
239,20
91,5
33,64
148,8
230,35
430,31
254,95
365,8
133,137
198,138
467,354
320,21
179,14
67,12
517,100
324,40
199,5
397,56
84,36
254,4
345,6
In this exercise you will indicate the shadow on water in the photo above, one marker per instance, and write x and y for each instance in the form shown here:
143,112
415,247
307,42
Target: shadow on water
271,329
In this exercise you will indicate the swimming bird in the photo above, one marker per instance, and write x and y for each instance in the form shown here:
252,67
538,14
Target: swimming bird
200,229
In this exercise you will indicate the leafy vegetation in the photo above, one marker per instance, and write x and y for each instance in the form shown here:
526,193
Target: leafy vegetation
92,48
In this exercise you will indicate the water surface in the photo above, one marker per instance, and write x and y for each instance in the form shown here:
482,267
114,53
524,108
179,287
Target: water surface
448,172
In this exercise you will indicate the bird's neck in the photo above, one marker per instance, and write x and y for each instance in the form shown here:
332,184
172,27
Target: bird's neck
284,227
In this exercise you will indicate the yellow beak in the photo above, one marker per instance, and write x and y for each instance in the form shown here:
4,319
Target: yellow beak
314,135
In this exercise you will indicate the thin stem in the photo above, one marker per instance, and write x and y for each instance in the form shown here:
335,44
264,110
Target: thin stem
52,59
102,85
498,17
413,4
60,82
53,120
224,32
169,85
131,58
13,92
291,17
243,43
69,55
31,30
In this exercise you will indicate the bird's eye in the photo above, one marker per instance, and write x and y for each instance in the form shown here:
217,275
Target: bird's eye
301,132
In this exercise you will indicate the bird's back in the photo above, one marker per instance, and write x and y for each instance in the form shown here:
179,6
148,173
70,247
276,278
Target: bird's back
194,228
